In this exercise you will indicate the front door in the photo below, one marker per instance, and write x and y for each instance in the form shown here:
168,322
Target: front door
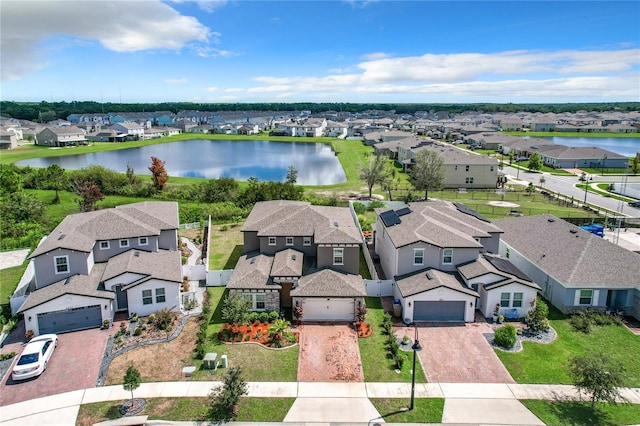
285,299
121,298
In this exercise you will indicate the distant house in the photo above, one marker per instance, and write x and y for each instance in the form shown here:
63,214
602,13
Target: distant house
296,252
8,139
97,263
59,136
574,268
202,128
134,131
107,136
567,157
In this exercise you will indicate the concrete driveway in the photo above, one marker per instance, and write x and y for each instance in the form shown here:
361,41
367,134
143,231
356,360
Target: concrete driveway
458,353
329,353
74,365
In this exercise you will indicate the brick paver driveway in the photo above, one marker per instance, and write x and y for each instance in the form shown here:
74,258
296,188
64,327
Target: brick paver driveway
74,365
458,353
329,353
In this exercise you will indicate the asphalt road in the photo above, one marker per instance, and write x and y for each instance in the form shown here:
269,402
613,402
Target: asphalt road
566,185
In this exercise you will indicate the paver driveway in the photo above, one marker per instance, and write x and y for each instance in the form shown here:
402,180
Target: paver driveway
74,365
329,353
458,353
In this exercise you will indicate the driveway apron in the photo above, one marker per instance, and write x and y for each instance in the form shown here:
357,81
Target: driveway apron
74,365
459,353
329,353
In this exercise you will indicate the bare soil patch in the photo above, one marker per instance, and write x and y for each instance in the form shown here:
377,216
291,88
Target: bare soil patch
503,204
160,362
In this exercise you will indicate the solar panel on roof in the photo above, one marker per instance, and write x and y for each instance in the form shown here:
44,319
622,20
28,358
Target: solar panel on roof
504,265
403,211
466,210
389,218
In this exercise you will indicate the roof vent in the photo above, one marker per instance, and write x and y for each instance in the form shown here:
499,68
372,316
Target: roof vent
136,253
429,275
293,257
551,220
335,224
573,231
253,260
61,236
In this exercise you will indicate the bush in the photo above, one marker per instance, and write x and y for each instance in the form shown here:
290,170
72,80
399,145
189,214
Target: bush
398,361
375,204
164,319
505,336
536,319
274,315
137,331
264,317
4,357
359,208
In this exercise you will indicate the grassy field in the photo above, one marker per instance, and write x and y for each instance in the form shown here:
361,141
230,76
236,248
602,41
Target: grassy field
9,279
549,363
426,410
225,246
567,413
376,363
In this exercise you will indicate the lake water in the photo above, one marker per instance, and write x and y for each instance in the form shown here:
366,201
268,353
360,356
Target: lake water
316,163
623,146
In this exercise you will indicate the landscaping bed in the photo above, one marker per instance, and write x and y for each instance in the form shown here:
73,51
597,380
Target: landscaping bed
256,332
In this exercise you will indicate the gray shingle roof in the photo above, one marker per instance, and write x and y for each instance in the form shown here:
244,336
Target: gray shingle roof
573,256
252,272
490,264
163,264
330,283
327,225
429,279
82,285
438,223
287,263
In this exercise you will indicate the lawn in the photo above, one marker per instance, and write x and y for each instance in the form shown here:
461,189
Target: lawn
548,363
376,363
562,413
188,410
225,246
9,279
425,410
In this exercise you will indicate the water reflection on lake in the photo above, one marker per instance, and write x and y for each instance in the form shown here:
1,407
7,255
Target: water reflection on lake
316,163
623,146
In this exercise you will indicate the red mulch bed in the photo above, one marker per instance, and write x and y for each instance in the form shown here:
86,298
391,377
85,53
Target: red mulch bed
363,329
257,332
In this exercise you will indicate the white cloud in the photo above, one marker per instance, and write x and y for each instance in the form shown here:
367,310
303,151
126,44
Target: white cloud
375,56
206,5
234,90
176,80
211,52
120,26
211,89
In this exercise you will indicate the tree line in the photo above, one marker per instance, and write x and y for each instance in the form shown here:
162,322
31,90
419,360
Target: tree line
47,111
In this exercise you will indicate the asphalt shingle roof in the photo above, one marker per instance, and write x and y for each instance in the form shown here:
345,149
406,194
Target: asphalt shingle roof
429,279
252,272
330,283
287,263
491,264
163,265
573,256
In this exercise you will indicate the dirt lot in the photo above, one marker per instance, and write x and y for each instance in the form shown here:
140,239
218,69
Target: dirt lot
329,353
158,363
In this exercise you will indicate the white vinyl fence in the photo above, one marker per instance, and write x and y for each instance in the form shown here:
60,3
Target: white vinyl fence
218,278
379,288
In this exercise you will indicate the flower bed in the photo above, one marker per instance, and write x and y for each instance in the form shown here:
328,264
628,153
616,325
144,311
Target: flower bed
257,332
363,329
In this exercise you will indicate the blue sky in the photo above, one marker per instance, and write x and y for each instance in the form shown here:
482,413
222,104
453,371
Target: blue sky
320,51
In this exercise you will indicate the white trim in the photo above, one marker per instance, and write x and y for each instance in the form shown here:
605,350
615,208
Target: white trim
444,250
108,245
275,241
306,241
341,251
415,255
124,240
55,264
146,241
286,241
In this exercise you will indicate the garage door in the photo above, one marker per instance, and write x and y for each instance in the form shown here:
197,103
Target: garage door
328,309
70,320
439,311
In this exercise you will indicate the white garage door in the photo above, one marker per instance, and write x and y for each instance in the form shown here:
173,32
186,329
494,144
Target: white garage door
323,309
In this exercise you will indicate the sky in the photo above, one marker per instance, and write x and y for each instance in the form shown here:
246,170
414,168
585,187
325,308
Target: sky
320,51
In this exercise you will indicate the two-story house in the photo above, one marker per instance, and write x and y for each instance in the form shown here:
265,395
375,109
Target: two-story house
434,251
97,263
61,136
296,253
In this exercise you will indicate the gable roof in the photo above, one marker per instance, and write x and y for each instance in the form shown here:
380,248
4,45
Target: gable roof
163,265
572,256
82,285
328,225
430,279
439,223
252,272
287,263
330,283
491,264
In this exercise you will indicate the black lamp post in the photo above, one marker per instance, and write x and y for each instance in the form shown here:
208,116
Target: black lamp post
416,348
586,188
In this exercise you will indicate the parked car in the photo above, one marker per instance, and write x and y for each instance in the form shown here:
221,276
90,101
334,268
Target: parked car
35,356
634,204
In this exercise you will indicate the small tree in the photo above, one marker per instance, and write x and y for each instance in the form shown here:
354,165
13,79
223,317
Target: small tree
131,380
131,174
235,309
597,374
89,194
427,173
298,312
224,399
530,188
292,174
374,171
635,165
536,319
535,161
159,173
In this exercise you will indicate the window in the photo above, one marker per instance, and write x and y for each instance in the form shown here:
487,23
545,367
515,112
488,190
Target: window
466,168
455,167
306,241
447,256
257,301
104,245
143,241
491,168
288,241
62,264
418,256
160,298
505,298
468,180
586,297
124,243
147,298
338,256
272,241
517,300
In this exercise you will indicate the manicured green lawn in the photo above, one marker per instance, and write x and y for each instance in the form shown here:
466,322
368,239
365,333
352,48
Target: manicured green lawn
258,363
9,279
225,247
548,363
562,413
425,410
188,409
377,366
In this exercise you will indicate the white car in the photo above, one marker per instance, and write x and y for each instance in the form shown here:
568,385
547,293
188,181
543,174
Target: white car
34,357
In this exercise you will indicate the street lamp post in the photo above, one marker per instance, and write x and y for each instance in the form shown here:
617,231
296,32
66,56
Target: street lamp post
586,187
416,348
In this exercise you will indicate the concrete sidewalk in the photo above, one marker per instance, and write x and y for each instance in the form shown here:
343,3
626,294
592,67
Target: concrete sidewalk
335,403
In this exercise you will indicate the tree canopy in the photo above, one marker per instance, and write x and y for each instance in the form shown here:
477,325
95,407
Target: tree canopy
427,174
374,171
599,375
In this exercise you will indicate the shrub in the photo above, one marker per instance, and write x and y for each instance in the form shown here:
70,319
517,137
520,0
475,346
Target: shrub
4,357
137,331
264,317
505,336
375,204
359,208
536,319
394,347
273,316
581,321
398,361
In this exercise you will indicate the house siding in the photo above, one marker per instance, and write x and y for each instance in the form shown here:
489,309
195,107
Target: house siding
489,299
272,298
79,263
114,249
172,297
265,248
124,279
251,241
351,259
168,239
